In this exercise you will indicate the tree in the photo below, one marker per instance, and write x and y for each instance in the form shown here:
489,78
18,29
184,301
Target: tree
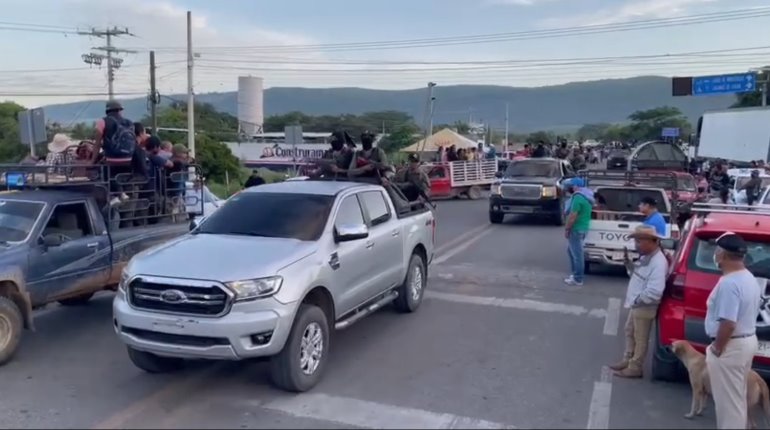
11,149
538,136
593,131
648,124
749,100
373,122
400,137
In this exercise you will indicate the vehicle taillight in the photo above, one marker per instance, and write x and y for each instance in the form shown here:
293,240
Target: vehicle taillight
676,287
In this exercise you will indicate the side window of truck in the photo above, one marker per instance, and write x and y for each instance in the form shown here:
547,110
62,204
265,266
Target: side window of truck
349,213
71,221
376,207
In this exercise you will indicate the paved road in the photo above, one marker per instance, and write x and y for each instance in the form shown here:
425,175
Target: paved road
500,342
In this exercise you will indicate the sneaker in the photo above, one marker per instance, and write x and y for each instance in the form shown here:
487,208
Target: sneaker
569,279
619,366
630,373
572,281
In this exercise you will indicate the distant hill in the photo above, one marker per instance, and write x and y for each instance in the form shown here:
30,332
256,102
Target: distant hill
559,107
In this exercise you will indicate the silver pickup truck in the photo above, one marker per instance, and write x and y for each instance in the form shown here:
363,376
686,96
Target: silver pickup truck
272,273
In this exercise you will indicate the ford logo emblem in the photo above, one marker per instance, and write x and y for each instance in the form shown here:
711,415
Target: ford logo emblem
173,296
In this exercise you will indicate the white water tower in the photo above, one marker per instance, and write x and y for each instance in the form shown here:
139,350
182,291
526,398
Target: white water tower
251,110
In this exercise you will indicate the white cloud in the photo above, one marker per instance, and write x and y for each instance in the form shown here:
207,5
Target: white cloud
629,11
519,2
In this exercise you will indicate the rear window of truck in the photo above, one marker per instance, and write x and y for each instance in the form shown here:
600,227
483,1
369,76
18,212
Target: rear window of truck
627,199
287,216
757,258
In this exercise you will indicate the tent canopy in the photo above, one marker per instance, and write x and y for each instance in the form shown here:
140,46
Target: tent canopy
444,138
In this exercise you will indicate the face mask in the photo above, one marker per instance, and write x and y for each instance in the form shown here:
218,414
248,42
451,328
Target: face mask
716,261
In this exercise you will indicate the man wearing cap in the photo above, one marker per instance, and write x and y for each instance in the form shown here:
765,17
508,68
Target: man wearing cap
731,317
648,206
645,289
581,203
412,179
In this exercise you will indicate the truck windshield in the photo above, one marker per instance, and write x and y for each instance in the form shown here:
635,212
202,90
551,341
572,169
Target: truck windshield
287,216
627,199
757,258
683,183
531,168
17,219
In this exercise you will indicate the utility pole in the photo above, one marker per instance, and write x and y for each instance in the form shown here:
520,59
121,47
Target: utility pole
190,96
113,62
505,140
154,97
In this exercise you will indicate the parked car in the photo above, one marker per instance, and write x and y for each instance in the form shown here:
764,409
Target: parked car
303,258
61,242
531,186
693,275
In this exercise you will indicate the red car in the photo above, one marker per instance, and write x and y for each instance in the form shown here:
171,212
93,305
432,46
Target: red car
692,277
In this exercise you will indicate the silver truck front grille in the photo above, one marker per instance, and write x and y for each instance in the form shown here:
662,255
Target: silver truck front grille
521,192
205,300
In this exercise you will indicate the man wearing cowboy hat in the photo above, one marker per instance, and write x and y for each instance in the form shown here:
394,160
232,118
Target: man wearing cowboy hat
645,289
59,156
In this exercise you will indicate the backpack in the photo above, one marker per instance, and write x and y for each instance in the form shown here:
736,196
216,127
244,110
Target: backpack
122,142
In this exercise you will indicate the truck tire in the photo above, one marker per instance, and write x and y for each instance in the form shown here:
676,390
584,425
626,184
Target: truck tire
496,217
587,267
152,363
665,370
11,326
77,300
473,193
287,369
411,292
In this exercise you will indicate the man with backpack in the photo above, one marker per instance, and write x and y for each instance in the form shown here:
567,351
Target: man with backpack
115,136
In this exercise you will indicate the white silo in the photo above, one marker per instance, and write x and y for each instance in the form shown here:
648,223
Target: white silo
251,112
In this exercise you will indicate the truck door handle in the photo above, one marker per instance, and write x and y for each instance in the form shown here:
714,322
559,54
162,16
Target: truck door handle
93,245
369,245
623,225
395,233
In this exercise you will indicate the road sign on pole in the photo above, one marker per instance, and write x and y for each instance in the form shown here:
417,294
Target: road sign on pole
724,84
670,132
32,128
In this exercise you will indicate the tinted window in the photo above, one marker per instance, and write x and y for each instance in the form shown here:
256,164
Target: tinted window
757,259
744,179
295,216
349,212
534,168
17,219
627,200
376,208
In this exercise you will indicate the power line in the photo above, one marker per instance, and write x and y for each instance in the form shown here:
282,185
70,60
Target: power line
503,37
113,62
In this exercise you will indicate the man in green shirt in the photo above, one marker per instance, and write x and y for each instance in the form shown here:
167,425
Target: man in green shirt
581,203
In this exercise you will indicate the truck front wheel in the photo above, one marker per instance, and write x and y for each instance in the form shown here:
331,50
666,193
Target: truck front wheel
11,326
496,217
300,364
152,363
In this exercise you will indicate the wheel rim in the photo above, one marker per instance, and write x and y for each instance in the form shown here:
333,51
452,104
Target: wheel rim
416,286
5,332
311,348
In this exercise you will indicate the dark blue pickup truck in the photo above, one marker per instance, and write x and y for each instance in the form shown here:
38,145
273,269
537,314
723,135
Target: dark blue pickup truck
62,242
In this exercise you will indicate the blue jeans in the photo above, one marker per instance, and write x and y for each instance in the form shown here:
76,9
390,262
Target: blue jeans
575,253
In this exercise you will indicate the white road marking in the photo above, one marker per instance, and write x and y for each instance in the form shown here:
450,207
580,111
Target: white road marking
459,239
612,319
461,245
599,411
525,304
361,413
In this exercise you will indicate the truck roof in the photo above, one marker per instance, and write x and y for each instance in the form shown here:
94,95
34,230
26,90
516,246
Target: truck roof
720,222
46,196
319,187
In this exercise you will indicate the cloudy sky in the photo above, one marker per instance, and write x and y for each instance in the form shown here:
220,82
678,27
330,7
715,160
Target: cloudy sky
373,43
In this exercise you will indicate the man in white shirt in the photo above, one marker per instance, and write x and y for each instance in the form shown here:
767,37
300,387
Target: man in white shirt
645,288
731,318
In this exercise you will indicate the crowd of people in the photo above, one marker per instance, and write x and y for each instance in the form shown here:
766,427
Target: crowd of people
147,176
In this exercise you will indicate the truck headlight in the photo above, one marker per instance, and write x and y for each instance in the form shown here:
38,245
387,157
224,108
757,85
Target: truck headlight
549,192
123,283
495,189
252,289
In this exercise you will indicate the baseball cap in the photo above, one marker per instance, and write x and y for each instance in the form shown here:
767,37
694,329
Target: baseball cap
113,105
179,149
731,242
575,182
647,200
414,158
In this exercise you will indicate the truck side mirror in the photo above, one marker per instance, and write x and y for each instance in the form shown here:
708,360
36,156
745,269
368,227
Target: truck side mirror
498,174
51,240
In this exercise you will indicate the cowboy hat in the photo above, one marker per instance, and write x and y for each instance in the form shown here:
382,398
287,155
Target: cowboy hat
645,232
60,143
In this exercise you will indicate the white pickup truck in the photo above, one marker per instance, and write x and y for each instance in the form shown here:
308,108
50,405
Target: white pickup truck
615,216
272,273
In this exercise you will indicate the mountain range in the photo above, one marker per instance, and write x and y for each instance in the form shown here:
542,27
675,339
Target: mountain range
559,107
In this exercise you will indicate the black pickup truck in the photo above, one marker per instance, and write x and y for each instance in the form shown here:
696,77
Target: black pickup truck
532,186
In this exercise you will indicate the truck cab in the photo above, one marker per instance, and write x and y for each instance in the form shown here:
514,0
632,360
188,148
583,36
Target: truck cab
61,240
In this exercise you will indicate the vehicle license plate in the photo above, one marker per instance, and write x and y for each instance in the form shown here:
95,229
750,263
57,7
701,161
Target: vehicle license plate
616,256
519,209
764,349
